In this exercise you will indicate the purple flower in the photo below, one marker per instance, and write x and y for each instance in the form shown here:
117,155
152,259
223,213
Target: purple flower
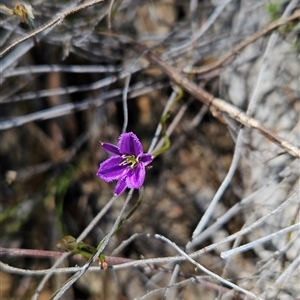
127,164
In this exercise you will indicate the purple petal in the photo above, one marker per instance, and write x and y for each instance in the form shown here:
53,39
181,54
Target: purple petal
110,148
146,158
121,186
130,144
111,170
136,177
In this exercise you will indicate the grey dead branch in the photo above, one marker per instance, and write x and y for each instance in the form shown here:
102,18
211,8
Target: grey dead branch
230,177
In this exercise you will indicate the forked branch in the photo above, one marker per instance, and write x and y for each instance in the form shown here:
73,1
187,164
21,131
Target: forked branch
215,103
58,19
226,57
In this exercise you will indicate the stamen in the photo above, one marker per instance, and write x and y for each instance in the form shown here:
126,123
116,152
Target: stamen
129,160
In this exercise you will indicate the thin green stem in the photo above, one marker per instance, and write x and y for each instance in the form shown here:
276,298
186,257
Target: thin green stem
70,244
163,120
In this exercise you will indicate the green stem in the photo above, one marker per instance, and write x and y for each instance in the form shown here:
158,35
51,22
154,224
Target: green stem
70,244
163,120
132,211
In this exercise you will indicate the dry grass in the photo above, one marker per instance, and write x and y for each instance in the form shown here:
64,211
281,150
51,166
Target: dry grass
217,187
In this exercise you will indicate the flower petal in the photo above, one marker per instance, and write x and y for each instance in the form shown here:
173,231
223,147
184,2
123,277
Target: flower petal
130,144
110,149
120,187
146,158
136,177
111,170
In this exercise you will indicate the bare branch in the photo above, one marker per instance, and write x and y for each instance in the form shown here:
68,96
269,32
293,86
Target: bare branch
58,19
228,56
217,104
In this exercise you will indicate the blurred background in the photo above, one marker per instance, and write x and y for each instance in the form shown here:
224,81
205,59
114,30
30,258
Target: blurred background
62,93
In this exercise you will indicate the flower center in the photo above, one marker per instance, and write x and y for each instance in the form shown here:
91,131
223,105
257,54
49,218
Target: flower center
129,160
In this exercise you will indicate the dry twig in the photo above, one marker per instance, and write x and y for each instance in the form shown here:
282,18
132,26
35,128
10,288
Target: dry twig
58,19
215,103
226,57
